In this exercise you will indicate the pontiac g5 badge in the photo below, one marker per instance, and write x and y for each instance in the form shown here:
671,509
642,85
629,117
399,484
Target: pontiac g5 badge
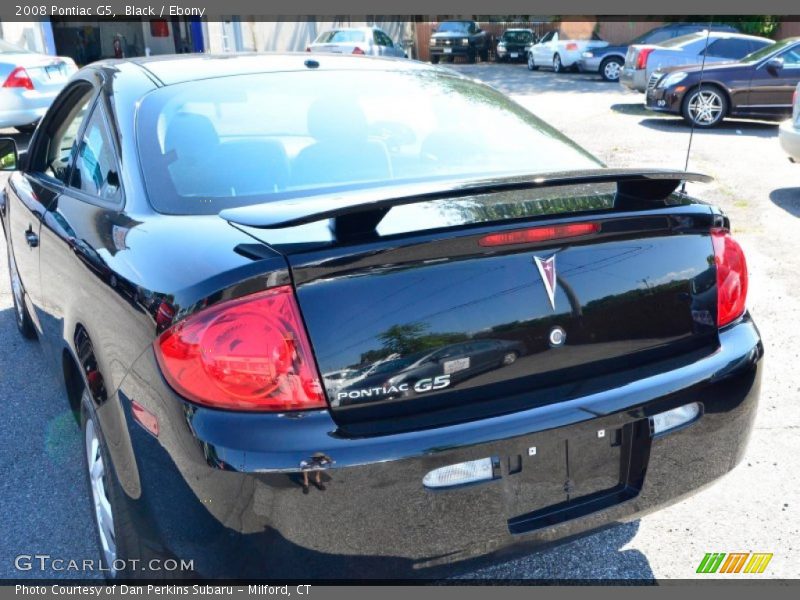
547,269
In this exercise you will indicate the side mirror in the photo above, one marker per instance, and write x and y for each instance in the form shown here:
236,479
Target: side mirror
775,64
9,159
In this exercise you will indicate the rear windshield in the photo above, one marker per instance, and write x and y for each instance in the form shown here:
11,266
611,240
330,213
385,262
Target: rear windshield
518,37
339,37
233,141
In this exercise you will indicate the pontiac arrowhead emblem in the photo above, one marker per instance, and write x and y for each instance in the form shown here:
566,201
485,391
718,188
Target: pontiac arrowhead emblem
547,269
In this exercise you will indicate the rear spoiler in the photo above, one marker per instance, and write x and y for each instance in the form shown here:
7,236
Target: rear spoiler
357,213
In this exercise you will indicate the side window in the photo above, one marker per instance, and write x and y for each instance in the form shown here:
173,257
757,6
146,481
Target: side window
791,58
547,37
728,48
60,148
95,171
387,41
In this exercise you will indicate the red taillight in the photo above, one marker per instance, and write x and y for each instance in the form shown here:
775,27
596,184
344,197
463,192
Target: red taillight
539,234
19,78
357,50
731,276
572,46
641,58
246,354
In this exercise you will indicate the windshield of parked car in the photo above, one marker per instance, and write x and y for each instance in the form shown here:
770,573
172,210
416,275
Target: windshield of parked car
456,26
341,36
768,50
6,48
232,141
517,37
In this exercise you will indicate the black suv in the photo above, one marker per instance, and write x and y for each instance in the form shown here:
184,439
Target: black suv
459,38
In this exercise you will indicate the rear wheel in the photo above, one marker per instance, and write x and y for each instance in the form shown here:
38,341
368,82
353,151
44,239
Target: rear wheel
485,55
435,59
531,64
509,358
557,66
471,56
23,319
610,69
705,106
122,548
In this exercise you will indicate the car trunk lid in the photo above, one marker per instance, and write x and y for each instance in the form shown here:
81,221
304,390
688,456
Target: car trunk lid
512,307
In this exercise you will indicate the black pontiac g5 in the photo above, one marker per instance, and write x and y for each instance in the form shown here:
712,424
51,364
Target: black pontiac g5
196,240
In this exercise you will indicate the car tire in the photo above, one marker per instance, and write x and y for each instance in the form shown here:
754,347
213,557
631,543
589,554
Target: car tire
531,63
485,55
435,59
704,106
558,66
21,316
119,540
472,57
610,69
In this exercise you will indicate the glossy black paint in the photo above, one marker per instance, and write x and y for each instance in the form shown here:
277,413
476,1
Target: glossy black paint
223,488
756,90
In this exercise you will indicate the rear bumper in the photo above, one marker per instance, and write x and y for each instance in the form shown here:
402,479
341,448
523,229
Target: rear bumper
789,135
634,79
223,489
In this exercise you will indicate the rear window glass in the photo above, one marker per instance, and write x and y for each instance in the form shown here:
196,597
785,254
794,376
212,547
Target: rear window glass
454,26
339,37
233,141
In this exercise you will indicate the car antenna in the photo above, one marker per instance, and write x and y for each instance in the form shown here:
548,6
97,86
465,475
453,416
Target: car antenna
691,133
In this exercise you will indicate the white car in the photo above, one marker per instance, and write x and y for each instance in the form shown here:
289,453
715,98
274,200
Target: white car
371,41
30,82
789,132
557,52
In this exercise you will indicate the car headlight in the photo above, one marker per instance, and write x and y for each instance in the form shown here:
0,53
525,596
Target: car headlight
501,44
587,55
672,79
465,42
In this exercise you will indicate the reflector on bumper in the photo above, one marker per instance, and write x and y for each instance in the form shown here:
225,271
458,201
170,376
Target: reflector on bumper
459,474
674,418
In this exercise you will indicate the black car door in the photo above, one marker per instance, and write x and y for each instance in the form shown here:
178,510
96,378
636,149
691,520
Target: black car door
37,188
772,86
83,230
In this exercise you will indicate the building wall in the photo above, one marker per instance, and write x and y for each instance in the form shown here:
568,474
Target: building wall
622,32
27,34
788,29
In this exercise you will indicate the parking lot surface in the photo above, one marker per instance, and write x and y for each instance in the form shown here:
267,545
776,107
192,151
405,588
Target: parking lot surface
753,509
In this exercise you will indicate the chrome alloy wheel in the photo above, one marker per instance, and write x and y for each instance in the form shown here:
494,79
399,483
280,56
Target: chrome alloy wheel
705,107
102,507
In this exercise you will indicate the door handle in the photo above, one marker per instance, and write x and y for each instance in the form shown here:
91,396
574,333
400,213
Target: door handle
31,238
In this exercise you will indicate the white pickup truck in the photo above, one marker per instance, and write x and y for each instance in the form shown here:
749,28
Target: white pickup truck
556,51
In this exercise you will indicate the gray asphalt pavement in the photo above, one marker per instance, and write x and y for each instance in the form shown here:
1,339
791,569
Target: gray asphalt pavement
755,508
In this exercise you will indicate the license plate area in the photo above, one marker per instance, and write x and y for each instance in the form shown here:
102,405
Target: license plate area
515,55
596,472
448,50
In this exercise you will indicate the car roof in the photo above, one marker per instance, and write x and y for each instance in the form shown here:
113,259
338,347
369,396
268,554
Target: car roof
180,68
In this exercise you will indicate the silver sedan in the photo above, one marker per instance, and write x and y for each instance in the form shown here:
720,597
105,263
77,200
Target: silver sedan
30,83
789,132
371,41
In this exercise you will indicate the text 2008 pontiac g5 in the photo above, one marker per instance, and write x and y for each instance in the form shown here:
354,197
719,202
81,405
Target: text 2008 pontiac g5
347,317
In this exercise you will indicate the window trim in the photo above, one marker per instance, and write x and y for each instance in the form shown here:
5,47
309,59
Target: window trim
39,143
79,194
